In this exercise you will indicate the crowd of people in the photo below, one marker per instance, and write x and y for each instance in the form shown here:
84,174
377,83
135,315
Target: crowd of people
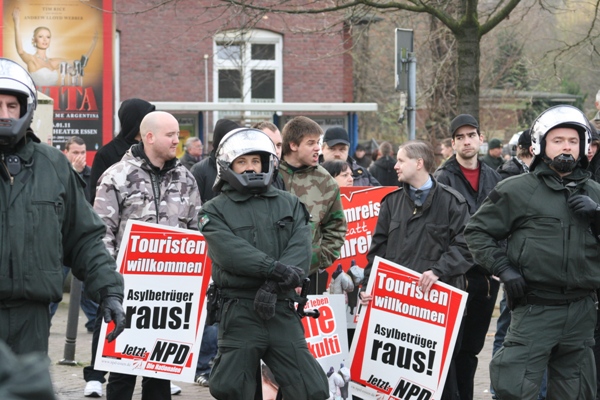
530,222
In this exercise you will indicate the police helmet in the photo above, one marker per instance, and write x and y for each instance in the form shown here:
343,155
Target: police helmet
240,142
16,81
561,116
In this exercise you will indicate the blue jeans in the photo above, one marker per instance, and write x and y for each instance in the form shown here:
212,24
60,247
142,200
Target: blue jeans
208,349
88,306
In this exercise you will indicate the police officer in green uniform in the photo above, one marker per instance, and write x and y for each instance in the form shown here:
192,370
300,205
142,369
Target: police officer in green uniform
550,270
45,222
260,244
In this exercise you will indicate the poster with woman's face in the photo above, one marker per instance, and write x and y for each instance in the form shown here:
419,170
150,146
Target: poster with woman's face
66,46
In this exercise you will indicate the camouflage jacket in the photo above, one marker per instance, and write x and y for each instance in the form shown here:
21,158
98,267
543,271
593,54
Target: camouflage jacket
133,188
321,195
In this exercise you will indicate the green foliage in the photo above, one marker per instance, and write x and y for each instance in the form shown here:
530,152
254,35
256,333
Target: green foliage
570,86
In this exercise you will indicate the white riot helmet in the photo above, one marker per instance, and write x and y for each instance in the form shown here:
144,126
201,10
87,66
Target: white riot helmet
561,116
240,142
16,81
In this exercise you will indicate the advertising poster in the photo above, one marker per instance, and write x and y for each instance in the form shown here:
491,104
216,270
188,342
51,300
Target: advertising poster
327,340
187,129
405,337
166,272
361,209
67,47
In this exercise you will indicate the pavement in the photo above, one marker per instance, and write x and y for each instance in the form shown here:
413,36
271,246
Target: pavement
68,380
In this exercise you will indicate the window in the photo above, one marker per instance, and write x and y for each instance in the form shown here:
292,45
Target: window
248,69
263,84
230,85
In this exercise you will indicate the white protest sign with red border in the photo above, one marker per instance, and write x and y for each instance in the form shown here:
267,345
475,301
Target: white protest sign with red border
166,272
405,338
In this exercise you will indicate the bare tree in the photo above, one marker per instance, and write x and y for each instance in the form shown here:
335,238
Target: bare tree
465,19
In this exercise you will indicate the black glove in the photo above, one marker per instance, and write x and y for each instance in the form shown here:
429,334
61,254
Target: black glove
265,300
514,284
584,206
112,308
288,276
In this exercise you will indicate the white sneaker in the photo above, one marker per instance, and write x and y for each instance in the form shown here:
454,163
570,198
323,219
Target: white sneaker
175,389
93,389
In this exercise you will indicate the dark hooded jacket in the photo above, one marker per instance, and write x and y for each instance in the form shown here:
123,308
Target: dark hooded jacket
131,113
205,171
383,170
510,168
451,175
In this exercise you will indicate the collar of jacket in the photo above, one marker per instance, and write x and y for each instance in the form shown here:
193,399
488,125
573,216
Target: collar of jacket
137,151
574,182
24,149
452,165
357,170
406,188
238,197
285,166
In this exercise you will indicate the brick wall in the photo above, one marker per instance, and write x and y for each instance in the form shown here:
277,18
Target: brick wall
162,52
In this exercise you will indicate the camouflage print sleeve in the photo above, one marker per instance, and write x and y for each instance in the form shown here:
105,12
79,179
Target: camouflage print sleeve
333,231
106,205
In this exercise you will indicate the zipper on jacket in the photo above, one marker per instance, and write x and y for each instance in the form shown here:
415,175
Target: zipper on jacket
155,179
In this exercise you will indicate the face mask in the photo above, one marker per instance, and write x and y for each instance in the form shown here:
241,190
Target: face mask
562,163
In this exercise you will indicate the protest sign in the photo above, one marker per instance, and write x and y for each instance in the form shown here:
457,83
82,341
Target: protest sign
327,341
361,209
166,272
327,338
405,337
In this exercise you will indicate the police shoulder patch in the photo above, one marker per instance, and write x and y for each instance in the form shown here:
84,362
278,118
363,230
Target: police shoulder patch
494,196
202,221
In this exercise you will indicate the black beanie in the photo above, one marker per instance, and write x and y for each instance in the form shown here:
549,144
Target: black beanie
222,128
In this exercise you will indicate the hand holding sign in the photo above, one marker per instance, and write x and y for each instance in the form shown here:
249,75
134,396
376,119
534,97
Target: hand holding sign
427,280
113,311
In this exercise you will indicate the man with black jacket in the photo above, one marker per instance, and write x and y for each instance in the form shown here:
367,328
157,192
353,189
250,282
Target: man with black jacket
403,233
336,145
474,180
383,168
518,164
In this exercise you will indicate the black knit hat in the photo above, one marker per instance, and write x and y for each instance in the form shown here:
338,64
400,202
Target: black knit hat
222,128
525,139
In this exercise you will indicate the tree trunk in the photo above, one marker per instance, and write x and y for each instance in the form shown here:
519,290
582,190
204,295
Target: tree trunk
468,45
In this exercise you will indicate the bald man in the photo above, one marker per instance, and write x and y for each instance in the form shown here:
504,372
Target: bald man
127,186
